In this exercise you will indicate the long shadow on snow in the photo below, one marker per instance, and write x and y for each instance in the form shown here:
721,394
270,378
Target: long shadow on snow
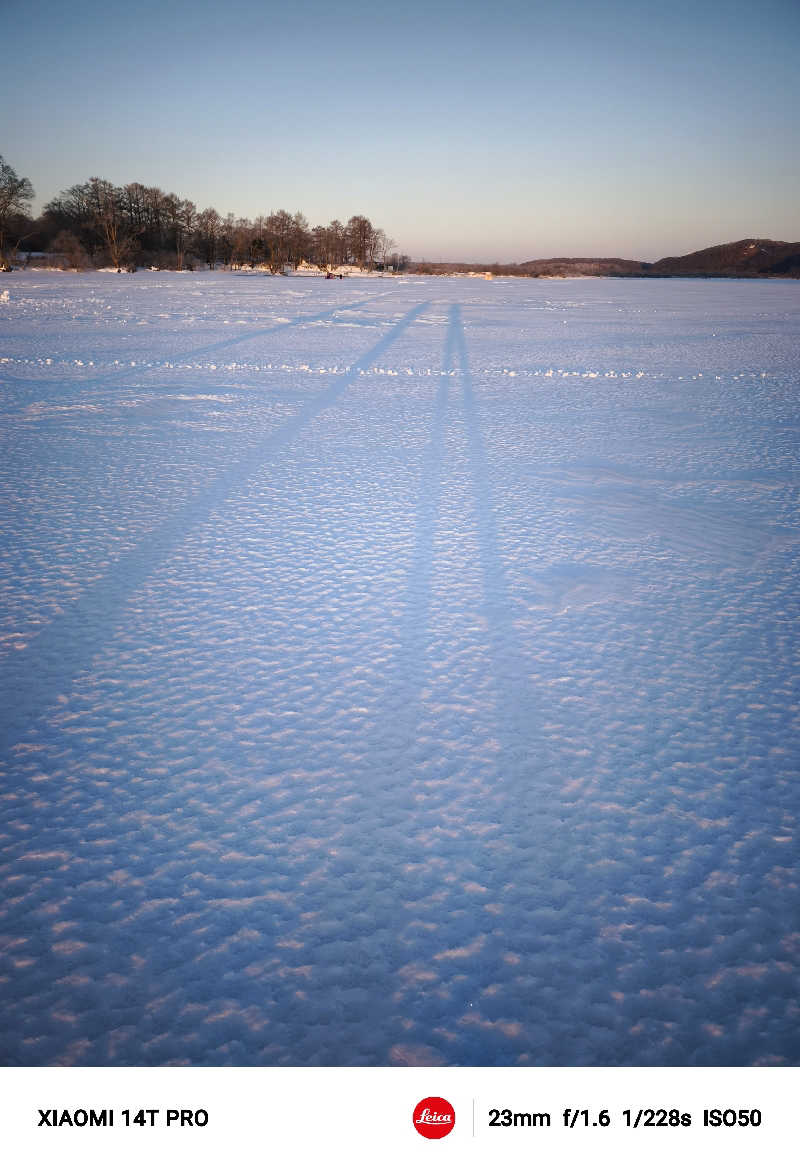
515,834
34,677
125,373
497,846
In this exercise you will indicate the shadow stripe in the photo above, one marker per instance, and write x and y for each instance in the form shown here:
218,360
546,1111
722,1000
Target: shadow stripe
300,320
34,677
529,774
124,373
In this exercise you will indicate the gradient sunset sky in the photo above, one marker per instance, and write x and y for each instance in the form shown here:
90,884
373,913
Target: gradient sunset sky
467,130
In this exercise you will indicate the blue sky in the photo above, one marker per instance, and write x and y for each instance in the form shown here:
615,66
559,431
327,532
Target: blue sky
467,131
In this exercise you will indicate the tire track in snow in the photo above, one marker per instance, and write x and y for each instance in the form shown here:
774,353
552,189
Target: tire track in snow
34,677
291,324
126,372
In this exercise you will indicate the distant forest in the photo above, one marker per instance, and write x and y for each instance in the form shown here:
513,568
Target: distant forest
96,224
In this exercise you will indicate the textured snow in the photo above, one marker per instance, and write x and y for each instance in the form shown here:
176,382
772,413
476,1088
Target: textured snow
398,671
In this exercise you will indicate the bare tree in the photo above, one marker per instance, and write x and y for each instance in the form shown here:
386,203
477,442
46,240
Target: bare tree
301,238
361,238
383,246
15,197
280,229
184,224
71,250
117,222
208,232
115,230
242,239
337,241
225,247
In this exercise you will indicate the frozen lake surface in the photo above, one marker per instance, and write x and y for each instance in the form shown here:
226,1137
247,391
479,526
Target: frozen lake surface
398,671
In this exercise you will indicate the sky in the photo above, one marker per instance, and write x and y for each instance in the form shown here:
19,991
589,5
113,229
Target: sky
470,131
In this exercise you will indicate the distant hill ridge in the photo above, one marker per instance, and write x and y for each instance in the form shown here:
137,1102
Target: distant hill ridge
584,266
745,257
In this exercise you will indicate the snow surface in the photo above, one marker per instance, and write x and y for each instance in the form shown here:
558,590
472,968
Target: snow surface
398,672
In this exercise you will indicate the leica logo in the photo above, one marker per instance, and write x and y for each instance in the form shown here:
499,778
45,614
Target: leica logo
434,1117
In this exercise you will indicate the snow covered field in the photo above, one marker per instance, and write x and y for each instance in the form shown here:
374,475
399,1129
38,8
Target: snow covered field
398,671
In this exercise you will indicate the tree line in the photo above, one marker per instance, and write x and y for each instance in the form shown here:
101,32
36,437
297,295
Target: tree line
96,224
